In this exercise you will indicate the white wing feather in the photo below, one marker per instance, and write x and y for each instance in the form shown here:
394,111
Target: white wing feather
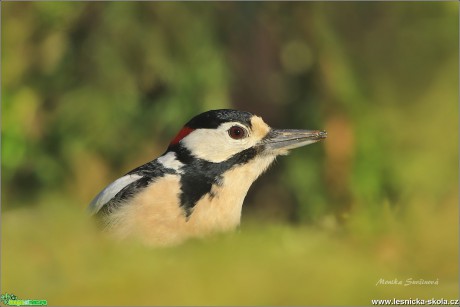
110,191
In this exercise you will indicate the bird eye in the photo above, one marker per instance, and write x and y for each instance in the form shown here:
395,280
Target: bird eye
236,132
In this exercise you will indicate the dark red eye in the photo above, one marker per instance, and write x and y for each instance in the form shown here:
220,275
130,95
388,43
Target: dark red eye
237,132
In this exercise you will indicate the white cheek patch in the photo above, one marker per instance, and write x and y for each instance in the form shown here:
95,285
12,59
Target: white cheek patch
215,145
110,191
170,161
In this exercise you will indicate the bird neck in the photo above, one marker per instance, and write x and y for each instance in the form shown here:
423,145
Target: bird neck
220,208
200,178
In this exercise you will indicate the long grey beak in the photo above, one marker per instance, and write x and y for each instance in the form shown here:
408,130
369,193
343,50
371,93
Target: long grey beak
285,139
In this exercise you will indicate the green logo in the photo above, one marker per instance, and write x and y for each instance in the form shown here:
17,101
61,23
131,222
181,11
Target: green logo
12,300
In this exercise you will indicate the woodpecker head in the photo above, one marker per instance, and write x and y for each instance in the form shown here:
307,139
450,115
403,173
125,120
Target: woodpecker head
228,148
219,135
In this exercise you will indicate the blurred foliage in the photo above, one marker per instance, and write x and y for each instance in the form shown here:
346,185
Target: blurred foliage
67,261
91,90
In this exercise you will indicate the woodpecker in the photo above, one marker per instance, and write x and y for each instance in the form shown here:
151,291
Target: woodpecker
197,187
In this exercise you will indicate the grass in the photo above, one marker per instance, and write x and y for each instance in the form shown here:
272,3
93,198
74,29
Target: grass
54,252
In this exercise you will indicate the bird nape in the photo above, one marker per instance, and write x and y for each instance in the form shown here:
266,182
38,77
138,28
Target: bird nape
197,187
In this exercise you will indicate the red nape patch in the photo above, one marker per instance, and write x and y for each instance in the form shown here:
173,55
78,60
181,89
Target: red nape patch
182,134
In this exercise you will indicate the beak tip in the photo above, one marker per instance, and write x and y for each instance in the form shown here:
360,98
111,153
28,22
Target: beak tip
322,134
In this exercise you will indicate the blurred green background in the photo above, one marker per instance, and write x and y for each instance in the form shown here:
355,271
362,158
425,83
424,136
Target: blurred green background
92,90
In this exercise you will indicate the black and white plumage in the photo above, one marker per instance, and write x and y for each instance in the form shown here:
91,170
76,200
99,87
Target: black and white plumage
198,185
